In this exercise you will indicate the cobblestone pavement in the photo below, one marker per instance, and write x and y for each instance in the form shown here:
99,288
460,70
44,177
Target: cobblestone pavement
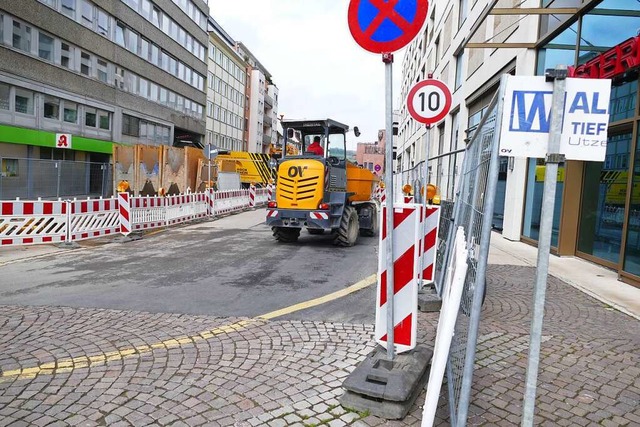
62,366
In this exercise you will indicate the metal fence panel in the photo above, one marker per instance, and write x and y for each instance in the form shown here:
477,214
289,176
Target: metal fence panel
473,210
48,179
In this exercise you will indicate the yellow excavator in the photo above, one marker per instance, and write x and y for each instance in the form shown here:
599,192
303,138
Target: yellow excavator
323,193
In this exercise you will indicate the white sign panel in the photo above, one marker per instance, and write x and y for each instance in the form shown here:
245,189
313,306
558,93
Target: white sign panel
527,117
63,140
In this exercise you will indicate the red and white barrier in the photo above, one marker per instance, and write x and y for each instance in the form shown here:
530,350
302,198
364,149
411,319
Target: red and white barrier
269,192
32,222
93,218
148,212
124,207
429,244
252,196
406,232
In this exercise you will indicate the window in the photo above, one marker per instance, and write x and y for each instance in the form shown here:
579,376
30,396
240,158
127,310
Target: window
86,8
459,65
51,107
155,54
130,125
155,16
45,47
90,117
120,30
85,63
146,9
144,88
9,167
24,101
103,22
66,56
69,8
70,112
102,70
104,120
4,96
163,96
132,41
144,48
462,13
21,36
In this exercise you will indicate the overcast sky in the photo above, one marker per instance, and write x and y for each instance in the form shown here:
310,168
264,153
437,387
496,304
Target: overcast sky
320,71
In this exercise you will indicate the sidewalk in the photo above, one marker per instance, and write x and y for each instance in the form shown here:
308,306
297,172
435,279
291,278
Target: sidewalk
594,280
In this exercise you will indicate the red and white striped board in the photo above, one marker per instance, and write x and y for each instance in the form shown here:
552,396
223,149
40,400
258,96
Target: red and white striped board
210,198
406,219
124,207
429,244
252,196
33,222
319,215
269,192
93,218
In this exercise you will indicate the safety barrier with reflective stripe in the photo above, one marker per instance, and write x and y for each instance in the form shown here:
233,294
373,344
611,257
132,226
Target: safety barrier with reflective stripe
33,222
36,222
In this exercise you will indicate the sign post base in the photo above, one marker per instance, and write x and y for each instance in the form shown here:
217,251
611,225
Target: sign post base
387,388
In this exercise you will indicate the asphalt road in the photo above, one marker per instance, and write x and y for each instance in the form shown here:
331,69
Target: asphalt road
227,267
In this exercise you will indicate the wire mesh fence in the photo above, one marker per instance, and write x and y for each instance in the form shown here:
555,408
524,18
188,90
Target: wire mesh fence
473,210
50,179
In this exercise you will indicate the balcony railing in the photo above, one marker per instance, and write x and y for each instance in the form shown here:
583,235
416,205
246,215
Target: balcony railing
373,149
266,139
267,121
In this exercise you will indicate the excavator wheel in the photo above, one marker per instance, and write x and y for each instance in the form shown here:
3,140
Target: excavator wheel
349,229
370,232
285,234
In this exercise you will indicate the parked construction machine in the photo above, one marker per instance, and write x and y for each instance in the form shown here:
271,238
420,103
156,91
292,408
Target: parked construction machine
322,193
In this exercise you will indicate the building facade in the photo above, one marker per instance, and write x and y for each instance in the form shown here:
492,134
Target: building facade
370,155
77,76
262,108
597,209
226,92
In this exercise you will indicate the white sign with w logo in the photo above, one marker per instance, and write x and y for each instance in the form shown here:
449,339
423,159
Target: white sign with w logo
526,118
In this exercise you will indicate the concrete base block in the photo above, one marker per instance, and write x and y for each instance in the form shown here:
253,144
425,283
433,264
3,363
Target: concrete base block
130,238
429,301
387,388
68,245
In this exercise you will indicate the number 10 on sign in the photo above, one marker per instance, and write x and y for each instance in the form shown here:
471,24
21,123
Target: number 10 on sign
429,101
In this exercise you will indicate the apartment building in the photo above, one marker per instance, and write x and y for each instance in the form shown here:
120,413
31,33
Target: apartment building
77,76
261,112
226,92
469,45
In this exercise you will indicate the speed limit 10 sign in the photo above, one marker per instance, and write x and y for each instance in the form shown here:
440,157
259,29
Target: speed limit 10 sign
429,101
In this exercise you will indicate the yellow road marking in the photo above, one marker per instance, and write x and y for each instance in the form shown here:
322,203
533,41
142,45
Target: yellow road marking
66,365
314,302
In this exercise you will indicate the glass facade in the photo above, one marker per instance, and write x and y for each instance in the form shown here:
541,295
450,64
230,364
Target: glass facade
608,214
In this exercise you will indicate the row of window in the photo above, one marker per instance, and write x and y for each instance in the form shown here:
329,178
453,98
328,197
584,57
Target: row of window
148,132
91,16
220,58
100,22
135,43
36,43
193,12
163,22
223,115
224,142
24,101
226,90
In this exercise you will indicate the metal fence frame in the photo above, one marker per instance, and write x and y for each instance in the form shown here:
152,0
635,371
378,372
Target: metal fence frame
475,197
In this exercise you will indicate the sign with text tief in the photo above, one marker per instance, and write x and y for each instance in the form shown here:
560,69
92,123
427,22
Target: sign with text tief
526,118
385,26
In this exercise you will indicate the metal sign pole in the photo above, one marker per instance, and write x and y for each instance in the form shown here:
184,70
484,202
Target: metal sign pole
387,58
424,203
209,165
559,75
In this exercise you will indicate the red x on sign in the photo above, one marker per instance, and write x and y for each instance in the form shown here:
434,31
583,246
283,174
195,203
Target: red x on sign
384,26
